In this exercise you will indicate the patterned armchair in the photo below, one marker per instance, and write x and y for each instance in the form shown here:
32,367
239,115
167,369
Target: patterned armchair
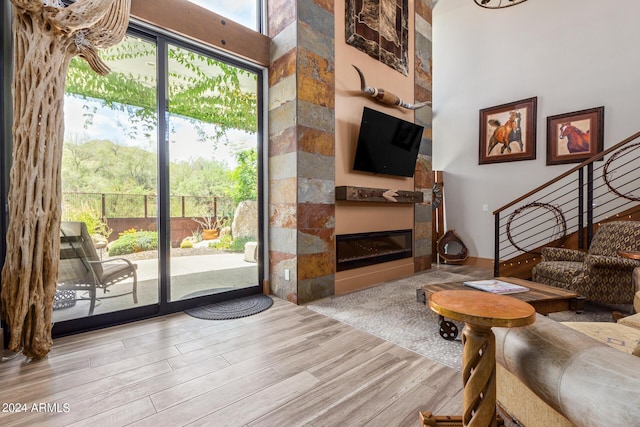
600,275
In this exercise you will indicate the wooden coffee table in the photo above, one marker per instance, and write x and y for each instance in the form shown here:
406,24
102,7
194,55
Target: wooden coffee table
545,299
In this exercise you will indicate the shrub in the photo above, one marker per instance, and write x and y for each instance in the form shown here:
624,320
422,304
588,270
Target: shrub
134,241
95,224
223,243
237,245
186,244
233,245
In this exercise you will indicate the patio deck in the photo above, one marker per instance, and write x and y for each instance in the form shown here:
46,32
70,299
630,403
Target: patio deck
189,275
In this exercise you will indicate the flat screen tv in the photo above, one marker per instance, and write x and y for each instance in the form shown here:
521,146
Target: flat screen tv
386,144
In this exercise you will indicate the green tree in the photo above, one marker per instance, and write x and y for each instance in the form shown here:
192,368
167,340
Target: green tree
102,166
245,176
200,177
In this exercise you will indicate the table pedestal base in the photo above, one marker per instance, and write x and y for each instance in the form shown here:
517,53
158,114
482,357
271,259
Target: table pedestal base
427,419
479,311
478,376
479,379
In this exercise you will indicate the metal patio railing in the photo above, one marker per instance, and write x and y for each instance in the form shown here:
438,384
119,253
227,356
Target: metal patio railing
122,205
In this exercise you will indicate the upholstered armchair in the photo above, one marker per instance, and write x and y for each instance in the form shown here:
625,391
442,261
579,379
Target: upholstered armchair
599,275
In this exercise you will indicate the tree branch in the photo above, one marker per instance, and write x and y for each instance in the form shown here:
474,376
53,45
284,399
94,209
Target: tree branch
28,5
111,28
79,15
97,24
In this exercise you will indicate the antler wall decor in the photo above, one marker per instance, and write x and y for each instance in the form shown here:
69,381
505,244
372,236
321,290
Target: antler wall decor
386,97
46,36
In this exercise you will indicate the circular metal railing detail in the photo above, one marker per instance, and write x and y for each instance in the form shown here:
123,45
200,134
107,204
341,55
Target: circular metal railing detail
498,4
607,172
560,232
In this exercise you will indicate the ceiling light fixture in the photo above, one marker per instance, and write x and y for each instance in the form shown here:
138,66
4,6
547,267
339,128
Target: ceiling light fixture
498,4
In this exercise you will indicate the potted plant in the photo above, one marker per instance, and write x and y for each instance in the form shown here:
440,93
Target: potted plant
208,224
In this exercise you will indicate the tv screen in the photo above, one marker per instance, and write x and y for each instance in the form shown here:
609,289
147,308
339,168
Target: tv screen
386,144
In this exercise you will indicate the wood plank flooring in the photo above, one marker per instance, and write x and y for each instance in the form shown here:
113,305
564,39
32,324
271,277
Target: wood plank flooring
287,366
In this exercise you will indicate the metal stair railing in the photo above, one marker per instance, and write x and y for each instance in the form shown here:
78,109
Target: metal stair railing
563,211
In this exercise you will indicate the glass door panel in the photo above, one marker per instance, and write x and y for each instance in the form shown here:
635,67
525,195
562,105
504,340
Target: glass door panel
109,257
213,175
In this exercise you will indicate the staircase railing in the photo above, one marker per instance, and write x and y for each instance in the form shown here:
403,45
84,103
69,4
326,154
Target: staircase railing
563,211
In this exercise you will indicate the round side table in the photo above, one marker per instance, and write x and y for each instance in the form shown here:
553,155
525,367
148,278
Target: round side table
480,311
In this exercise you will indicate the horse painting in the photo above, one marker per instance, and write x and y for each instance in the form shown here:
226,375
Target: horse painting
577,140
506,134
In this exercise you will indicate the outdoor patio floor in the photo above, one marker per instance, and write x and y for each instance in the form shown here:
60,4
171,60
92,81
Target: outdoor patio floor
189,275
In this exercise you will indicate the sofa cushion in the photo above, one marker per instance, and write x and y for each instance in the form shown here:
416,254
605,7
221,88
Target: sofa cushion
523,405
631,321
616,335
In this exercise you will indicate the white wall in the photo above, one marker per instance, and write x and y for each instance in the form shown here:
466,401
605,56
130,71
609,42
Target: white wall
571,54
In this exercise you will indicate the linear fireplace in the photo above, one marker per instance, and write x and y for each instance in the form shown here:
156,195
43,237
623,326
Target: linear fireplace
362,249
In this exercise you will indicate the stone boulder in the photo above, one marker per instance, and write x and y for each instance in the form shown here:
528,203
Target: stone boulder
245,220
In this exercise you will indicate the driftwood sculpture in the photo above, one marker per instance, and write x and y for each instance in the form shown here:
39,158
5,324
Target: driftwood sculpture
386,97
47,35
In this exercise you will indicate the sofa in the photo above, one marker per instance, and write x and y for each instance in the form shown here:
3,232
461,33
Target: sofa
556,374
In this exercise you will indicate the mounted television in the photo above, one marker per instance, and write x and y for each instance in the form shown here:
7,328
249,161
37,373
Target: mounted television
387,145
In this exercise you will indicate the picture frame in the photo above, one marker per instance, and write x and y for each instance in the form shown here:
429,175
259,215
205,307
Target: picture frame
508,132
575,137
382,32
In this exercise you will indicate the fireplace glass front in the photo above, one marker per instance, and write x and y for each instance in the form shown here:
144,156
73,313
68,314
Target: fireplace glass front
362,249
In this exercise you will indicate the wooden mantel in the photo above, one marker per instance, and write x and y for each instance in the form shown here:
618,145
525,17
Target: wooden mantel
365,194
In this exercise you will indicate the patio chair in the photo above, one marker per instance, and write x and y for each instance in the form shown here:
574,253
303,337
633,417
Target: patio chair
82,270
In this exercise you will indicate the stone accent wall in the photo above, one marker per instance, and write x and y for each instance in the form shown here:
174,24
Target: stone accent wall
282,105
423,178
302,146
301,149
316,150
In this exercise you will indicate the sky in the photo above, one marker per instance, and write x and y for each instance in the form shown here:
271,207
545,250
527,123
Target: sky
240,11
184,142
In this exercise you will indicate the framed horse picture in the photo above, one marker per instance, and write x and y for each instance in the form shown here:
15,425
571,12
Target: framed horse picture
575,137
508,132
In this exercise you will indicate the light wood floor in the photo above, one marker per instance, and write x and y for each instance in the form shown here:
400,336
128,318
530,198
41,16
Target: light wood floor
287,366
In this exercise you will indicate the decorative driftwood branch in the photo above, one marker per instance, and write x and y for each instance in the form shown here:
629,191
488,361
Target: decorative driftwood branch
47,35
386,97
365,194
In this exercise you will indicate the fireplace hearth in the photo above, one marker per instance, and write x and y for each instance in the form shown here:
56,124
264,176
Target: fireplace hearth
362,249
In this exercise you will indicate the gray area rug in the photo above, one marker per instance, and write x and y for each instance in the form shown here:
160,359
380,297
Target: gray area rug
233,309
390,311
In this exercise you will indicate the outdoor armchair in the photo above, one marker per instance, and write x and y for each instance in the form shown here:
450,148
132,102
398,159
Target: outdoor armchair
81,269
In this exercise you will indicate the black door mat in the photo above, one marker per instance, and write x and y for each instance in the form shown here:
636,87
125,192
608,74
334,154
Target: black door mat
233,309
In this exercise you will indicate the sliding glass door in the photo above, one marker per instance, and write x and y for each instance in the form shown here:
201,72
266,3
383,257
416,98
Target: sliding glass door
109,183
160,211
213,169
